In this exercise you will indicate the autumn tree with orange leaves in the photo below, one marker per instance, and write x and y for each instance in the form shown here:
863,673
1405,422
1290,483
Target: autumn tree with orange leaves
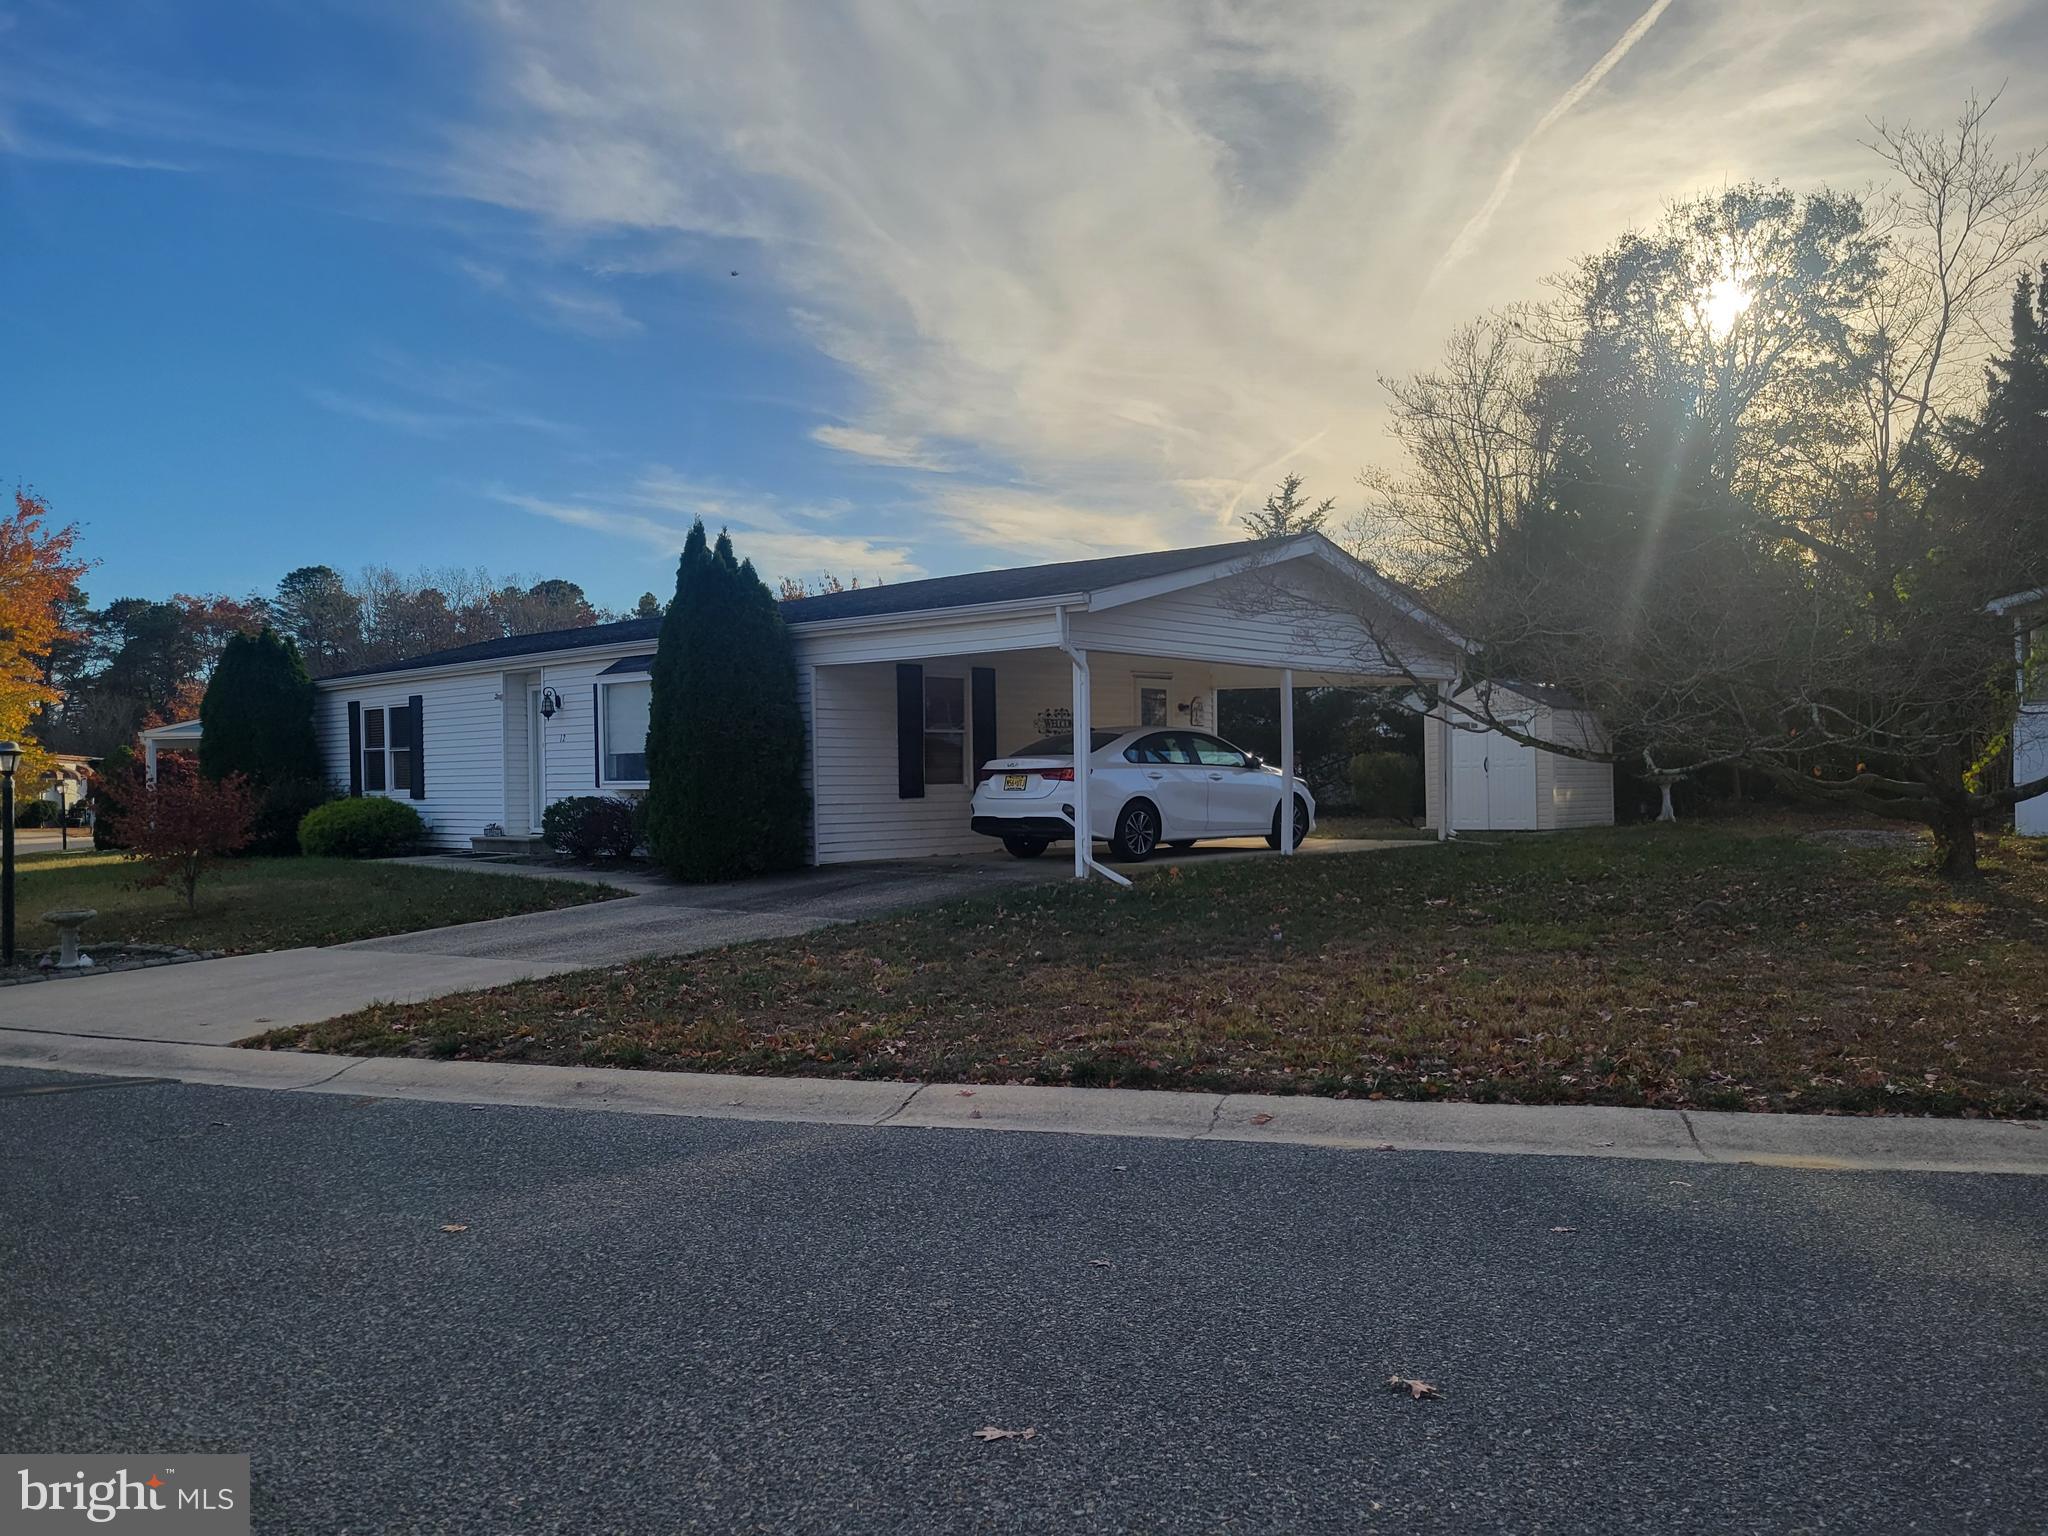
36,571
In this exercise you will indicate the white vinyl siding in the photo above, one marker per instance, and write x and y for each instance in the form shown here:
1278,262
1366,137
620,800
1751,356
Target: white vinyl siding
464,726
857,813
1276,618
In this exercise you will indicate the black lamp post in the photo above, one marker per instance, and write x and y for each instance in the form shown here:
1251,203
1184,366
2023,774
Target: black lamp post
10,759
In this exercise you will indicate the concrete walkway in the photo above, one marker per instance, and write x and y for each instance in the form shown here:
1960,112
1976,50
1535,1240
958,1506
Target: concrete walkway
216,1002
1818,1142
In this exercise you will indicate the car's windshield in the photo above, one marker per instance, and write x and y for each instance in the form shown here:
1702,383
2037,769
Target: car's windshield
1063,746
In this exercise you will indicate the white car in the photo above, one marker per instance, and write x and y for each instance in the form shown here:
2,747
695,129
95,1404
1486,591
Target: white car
1149,786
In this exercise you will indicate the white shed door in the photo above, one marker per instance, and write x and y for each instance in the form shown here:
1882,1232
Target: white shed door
1493,783
1470,800
1510,784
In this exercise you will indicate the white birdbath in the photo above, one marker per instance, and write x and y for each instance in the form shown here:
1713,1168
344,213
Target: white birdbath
67,925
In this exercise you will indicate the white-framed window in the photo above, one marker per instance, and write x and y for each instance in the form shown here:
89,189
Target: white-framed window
387,750
622,722
2034,665
945,730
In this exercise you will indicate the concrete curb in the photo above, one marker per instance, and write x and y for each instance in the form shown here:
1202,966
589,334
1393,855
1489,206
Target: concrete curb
1828,1142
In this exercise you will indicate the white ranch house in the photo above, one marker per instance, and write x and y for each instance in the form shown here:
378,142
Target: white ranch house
905,689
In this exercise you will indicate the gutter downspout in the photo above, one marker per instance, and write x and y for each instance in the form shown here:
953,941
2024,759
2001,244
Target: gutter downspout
1085,862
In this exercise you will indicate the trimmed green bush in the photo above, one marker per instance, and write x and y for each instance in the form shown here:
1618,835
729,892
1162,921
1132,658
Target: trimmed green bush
366,827
35,813
725,741
1386,784
592,826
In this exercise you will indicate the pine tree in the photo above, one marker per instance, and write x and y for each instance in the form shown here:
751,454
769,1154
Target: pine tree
1287,512
257,715
725,740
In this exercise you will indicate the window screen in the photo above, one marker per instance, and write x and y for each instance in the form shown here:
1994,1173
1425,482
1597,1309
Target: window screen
401,747
373,749
626,708
945,730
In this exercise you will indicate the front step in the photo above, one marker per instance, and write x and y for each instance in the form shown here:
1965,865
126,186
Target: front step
504,843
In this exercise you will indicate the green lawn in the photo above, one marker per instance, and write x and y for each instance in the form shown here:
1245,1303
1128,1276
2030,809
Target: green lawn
1677,966
252,904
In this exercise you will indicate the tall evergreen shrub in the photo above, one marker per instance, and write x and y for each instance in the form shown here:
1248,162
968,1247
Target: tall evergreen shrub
725,740
257,721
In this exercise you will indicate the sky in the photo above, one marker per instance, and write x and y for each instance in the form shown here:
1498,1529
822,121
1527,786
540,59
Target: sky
888,289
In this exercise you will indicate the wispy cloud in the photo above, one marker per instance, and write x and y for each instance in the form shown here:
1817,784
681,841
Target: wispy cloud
1476,226
1144,259
434,399
879,448
657,508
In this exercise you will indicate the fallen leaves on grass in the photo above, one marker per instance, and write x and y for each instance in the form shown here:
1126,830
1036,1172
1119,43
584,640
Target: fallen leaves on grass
1411,1386
990,1432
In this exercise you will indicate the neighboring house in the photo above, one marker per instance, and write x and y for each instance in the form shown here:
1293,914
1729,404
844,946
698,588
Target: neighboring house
68,780
1502,784
906,689
179,736
2028,612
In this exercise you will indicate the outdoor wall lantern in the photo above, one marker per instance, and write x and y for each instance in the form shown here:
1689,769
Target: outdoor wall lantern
550,703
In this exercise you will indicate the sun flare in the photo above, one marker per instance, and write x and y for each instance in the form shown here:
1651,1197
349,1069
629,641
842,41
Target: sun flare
1726,301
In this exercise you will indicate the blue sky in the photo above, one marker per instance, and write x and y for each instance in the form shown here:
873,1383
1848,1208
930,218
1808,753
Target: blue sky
452,284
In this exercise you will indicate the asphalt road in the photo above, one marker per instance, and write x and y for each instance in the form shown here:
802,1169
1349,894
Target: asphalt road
663,1324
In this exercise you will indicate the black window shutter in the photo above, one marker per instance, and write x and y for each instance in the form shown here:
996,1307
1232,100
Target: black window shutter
415,706
355,747
909,731
596,737
984,716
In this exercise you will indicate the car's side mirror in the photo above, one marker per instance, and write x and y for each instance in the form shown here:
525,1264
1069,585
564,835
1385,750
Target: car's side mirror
1253,760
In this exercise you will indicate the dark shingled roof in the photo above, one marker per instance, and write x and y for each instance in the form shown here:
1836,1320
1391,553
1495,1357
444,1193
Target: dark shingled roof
1017,584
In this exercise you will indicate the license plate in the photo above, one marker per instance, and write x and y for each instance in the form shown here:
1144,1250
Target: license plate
1015,780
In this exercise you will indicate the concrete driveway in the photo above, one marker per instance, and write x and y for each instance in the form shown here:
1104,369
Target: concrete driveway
215,1002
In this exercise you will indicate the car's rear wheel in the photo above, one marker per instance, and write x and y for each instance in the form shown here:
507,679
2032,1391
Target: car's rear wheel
1027,847
1300,824
1137,832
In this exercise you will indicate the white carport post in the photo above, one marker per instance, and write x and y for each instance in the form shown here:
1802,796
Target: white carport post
1082,848
1444,776
148,760
1287,760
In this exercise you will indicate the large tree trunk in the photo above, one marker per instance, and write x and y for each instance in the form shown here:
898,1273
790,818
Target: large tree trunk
1955,843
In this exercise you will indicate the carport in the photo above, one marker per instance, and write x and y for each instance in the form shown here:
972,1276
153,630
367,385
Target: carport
908,689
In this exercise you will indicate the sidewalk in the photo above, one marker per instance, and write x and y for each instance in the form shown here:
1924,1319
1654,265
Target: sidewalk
1813,1142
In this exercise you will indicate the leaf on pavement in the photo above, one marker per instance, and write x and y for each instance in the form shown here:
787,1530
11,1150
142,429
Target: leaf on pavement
1262,1119
990,1432
1564,1229
1411,1386
1104,1263
454,1226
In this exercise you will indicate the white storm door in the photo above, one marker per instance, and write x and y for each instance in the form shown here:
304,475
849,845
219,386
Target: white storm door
536,761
